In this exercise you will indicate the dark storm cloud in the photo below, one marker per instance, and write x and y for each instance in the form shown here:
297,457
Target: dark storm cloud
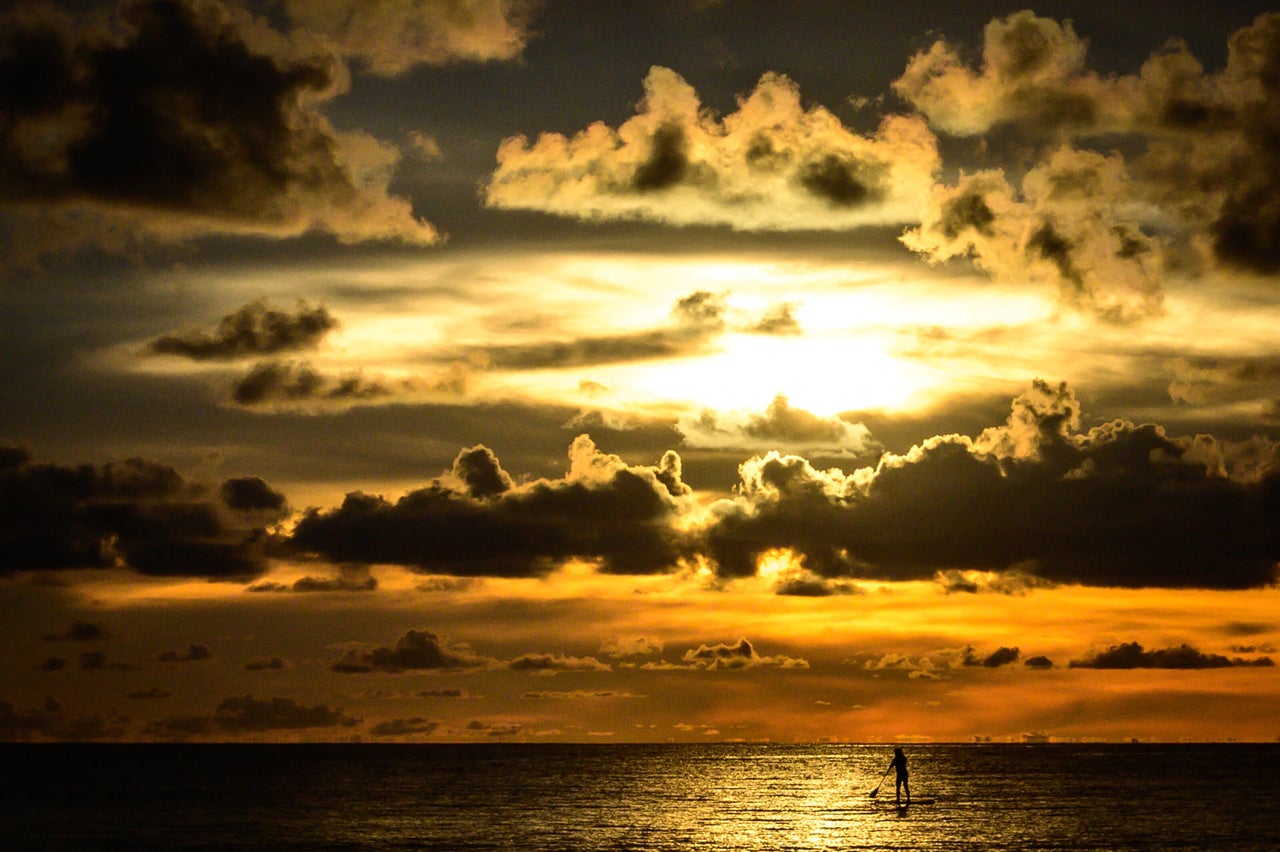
1131,655
1038,662
136,513
194,653
184,117
252,494
1028,504
79,631
696,319
253,330
247,715
297,385
1118,505
481,473
603,509
417,650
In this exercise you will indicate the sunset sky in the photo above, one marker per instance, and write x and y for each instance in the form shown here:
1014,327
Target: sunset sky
695,370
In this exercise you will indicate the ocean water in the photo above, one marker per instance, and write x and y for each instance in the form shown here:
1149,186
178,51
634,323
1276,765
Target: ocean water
641,797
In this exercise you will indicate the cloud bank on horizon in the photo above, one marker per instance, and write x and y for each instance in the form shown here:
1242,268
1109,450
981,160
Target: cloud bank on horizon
1117,505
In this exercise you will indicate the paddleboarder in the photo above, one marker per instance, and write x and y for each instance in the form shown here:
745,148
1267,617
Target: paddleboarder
899,763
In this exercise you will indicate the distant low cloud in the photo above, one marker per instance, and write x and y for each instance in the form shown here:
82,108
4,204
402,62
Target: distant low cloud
489,729
50,721
738,655
771,165
267,664
696,319
1013,581
390,37
252,331
413,726
248,715
95,661
79,631
635,647
780,426
1000,657
1131,655
921,668
576,694
298,386
549,664
350,578
174,118
194,653
417,650
778,320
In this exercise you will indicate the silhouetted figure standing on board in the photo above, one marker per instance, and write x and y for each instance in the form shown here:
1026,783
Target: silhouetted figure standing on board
899,763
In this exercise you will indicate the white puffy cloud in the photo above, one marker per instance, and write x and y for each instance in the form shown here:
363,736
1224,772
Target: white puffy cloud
771,165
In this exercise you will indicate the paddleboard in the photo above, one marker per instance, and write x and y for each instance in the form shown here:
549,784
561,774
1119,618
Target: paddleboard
912,802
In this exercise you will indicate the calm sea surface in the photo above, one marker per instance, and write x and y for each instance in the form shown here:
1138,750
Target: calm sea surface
663,797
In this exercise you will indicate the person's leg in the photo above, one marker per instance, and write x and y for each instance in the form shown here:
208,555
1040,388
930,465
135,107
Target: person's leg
907,784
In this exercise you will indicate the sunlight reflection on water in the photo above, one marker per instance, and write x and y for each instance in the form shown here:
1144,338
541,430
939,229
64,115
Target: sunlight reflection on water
691,797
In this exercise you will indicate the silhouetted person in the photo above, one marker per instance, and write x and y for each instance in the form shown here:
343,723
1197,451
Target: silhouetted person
899,763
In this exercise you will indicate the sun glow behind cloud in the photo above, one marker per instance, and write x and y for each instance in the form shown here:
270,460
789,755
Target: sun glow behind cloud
827,336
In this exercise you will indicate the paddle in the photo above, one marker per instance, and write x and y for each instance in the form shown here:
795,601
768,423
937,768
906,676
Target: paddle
876,791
